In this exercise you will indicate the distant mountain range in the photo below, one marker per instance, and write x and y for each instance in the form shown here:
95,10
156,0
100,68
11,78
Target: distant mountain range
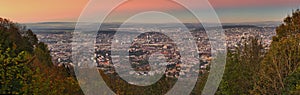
70,26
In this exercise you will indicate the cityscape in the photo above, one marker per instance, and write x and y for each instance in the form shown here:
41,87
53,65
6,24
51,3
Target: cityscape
150,47
148,42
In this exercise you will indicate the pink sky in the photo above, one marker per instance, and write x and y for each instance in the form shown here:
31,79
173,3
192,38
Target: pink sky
252,3
67,10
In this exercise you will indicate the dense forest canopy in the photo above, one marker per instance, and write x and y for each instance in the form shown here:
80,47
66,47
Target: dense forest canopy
252,70
26,66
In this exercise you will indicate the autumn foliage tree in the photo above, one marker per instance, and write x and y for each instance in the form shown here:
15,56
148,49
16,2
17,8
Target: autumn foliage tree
250,69
282,60
26,67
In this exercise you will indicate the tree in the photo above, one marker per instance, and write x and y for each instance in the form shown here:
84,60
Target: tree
15,72
282,59
26,67
31,37
241,67
292,83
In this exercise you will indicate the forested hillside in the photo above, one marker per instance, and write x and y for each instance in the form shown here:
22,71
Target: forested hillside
26,66
252,70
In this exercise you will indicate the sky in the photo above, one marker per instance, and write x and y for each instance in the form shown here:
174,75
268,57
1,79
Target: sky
29,11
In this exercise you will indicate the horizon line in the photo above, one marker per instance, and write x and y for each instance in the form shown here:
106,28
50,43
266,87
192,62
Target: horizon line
145,22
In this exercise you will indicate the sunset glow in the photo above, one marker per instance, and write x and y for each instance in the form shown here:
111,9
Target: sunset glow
65,10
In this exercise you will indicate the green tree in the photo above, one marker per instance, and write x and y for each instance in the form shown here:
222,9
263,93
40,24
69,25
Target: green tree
14,70
292,83
282,59
26,67
241,67
31,37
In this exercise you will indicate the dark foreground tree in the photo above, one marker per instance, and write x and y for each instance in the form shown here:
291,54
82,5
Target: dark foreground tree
26,67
